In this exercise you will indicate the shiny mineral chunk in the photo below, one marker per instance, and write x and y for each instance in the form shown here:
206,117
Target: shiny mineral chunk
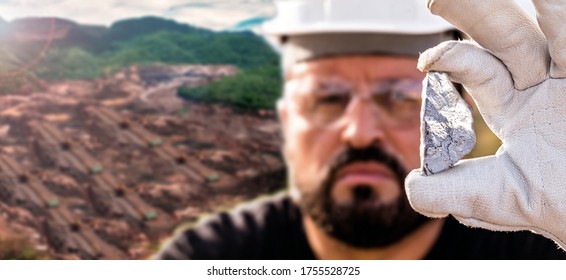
447,132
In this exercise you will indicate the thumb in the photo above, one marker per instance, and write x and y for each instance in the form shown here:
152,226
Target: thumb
469,189
485,78
487,192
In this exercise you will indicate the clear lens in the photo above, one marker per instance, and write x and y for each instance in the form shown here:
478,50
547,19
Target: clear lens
397,102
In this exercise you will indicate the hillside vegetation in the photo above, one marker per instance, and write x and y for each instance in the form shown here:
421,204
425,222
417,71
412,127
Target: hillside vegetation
253,88
91,52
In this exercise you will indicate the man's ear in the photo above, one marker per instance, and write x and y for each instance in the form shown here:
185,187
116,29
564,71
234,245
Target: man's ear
282,114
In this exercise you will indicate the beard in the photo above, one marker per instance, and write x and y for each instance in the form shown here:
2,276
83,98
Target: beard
362,223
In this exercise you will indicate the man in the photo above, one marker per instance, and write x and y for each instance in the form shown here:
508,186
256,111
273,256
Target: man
350,120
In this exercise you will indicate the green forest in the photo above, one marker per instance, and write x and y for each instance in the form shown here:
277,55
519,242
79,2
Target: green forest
252,88
91,53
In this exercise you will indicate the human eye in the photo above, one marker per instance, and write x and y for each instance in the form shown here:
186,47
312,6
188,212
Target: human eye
333,99
329,101
328,107
401,96
408,89
401,99
324,101
398,93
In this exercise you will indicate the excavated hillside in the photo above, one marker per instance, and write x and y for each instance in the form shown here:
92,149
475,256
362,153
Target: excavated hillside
106,169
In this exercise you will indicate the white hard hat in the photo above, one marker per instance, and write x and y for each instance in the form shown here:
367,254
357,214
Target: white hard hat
297,17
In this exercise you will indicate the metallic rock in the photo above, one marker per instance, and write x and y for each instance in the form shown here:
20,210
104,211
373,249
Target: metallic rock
447,132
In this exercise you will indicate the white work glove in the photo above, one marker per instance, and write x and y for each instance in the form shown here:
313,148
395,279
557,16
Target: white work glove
516,75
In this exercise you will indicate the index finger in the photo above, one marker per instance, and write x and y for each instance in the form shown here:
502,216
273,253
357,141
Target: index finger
504,29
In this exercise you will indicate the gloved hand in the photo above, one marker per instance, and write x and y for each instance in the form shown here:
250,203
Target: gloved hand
515,74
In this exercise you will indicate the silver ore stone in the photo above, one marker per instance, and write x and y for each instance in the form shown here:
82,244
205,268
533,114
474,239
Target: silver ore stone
447,132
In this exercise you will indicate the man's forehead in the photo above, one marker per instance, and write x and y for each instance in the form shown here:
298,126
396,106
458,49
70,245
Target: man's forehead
356,67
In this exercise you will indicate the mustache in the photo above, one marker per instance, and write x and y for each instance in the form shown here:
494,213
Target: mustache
370,154
356,224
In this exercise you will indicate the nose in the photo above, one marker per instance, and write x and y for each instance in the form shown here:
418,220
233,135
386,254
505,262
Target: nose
362,128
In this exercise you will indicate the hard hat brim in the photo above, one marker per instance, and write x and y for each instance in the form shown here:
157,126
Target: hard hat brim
271,28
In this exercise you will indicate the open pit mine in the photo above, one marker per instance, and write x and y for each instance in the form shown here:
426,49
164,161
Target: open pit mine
107,169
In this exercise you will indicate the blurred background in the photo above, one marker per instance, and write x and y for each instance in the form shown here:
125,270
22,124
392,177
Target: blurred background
120,120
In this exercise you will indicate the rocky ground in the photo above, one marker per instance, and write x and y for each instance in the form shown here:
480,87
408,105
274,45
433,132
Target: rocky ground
106,169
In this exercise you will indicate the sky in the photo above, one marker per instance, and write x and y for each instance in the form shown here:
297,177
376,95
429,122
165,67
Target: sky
213,14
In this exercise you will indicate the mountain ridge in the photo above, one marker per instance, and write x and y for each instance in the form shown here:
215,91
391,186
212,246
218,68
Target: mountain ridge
65,32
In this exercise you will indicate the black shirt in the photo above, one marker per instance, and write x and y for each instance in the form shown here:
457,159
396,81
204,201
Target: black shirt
273,229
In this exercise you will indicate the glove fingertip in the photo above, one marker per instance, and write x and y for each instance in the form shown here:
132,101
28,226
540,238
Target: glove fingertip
419,195
430,57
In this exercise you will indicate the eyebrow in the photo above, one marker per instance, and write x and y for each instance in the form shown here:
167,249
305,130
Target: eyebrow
334,87
396,83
